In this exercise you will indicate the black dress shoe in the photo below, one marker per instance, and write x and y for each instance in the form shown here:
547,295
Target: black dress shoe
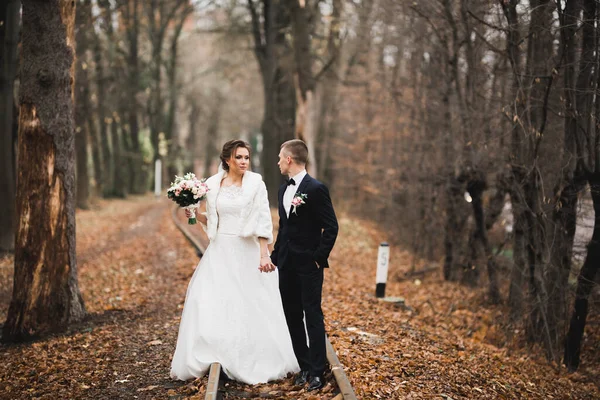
301,378
315,383
223,376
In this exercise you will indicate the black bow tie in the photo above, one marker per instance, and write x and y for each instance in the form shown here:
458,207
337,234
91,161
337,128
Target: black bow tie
291,182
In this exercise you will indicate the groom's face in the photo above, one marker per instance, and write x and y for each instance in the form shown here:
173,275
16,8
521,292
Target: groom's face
284,162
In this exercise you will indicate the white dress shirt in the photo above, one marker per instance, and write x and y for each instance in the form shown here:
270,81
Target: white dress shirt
289,193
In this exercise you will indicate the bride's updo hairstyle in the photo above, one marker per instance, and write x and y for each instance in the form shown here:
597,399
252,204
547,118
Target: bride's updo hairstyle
229,150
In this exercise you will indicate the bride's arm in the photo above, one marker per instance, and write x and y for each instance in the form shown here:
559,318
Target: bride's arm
201,213
265,260
264,247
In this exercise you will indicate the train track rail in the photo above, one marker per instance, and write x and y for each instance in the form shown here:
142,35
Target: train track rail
212,389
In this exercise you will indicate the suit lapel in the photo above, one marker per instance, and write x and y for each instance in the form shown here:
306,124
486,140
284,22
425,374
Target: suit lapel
300,189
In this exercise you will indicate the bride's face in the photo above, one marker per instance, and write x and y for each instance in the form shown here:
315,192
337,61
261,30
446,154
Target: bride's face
240,161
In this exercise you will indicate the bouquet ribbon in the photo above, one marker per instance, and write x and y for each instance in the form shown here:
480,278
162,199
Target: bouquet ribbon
192,220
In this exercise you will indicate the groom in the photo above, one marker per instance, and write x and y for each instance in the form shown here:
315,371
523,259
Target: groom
308,228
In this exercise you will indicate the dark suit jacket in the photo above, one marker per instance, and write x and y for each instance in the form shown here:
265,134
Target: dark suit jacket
309,234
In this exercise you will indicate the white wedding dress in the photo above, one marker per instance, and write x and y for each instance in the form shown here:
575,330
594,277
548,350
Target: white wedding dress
233,313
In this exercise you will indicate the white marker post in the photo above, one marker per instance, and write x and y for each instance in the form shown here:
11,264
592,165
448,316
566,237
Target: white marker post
157,177
383,260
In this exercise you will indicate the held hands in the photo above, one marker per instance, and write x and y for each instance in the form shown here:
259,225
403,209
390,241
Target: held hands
266,265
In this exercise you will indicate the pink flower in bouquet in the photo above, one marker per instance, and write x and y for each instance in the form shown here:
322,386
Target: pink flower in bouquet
187,191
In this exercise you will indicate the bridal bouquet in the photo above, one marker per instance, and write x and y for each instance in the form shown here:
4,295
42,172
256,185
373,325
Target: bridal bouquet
187,191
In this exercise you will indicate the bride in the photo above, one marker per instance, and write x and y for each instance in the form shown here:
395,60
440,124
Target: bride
233,313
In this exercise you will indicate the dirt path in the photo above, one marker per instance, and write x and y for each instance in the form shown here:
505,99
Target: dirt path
134,267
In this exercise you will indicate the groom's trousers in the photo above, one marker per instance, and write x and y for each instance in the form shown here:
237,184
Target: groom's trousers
301,288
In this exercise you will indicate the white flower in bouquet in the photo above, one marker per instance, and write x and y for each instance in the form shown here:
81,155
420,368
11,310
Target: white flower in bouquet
187,192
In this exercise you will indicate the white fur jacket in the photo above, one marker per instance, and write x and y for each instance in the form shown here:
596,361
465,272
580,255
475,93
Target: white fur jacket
255,215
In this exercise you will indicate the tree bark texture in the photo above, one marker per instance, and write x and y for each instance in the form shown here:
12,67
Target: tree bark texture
104,181
82,106
8,45
269,24
585,284
46,294
307,99
134,158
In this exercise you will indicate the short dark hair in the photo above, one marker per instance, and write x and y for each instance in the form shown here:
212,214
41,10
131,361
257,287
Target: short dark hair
230,148
297,150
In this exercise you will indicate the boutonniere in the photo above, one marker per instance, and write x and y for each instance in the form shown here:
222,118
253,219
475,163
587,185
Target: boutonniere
298,200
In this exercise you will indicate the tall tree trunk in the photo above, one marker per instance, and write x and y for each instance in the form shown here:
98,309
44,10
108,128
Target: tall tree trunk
210,147
96,155
160,16
308,108
537,329
156,30
476,187
529,122
120,175
155,100
585,283
539,80
8,45
277,127
471,109
46,295
114,95
170,130
590,158
271,51
456,258
327,126
572,181
82,106
91,123
136,184
119,135
192,141
455,217
454,229
516,291
307,98
105,180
